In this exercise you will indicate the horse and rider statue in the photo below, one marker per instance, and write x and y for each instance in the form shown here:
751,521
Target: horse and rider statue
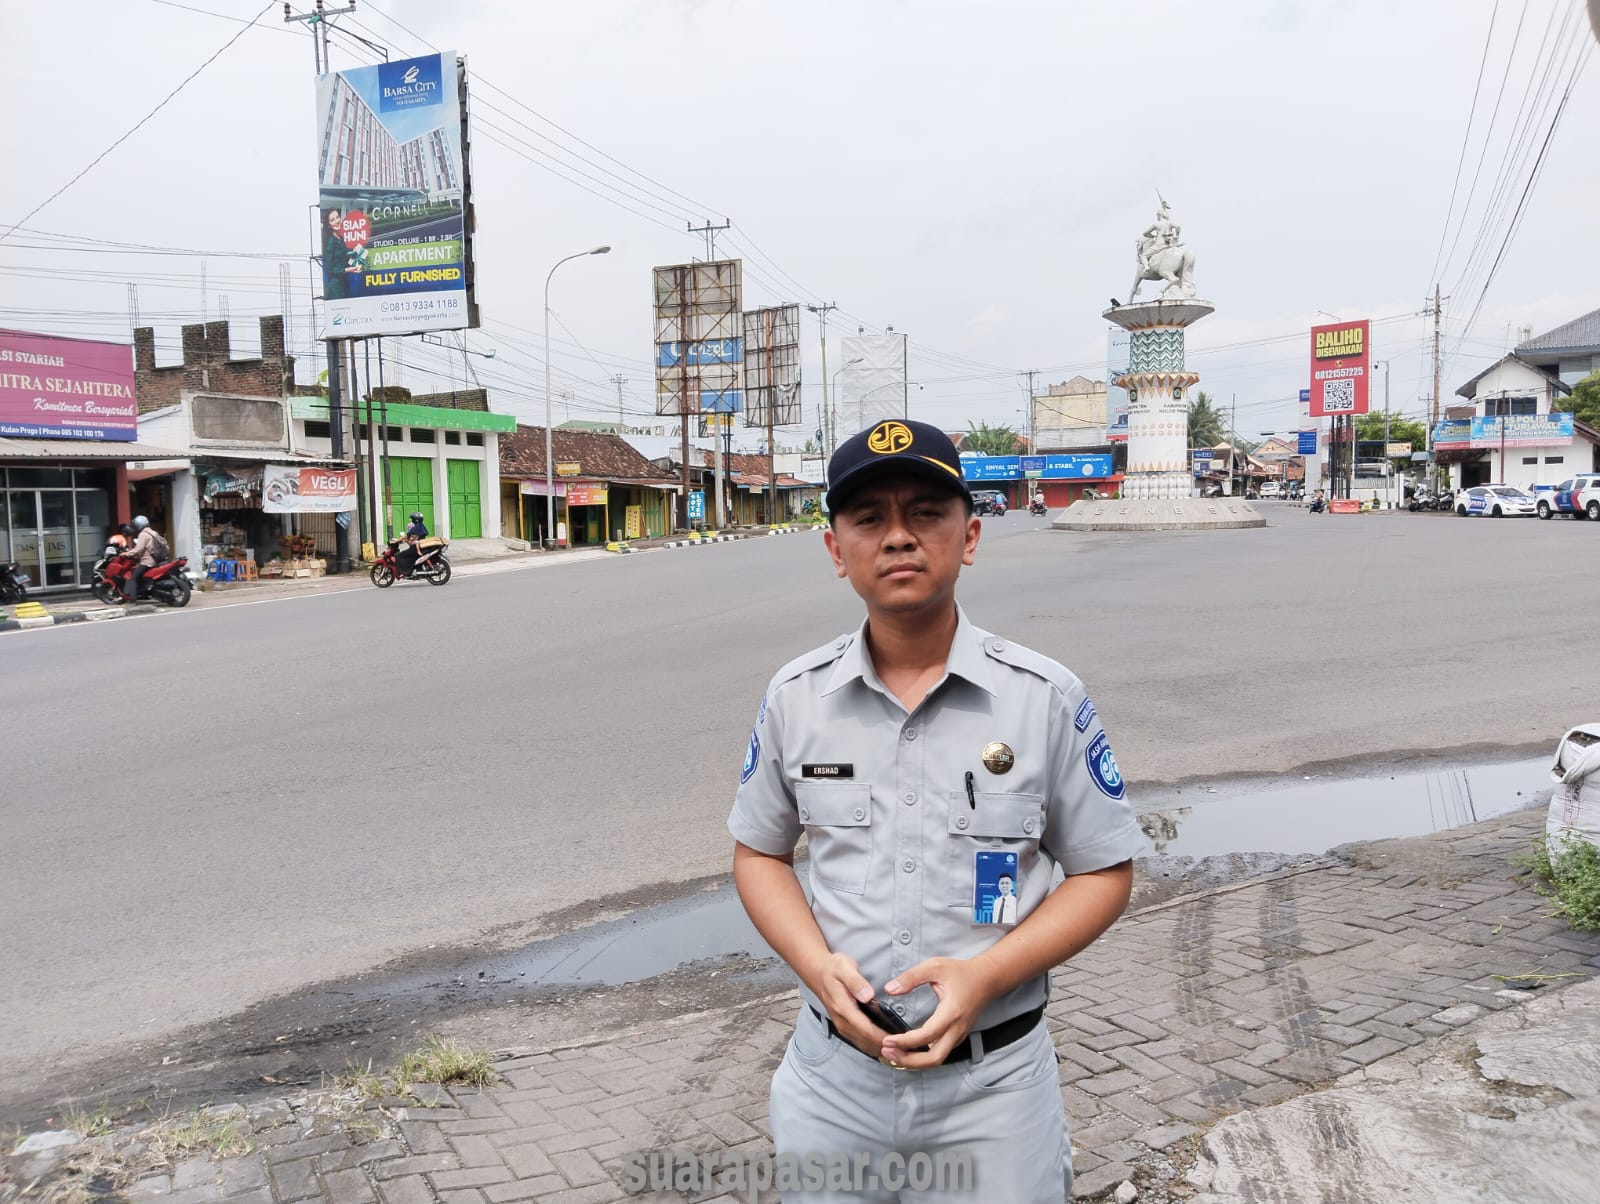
1163,257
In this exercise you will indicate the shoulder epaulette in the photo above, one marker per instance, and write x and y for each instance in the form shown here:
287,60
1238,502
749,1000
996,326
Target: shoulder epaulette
1018,656
823,654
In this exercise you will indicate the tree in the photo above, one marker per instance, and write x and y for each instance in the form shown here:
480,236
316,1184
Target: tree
1207,427
1370,427
991,440
1584,404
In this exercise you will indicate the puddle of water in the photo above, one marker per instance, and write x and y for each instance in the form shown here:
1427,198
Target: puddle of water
1315,816
710,924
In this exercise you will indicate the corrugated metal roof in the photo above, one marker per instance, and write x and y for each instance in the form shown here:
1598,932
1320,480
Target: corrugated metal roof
1580,334
83,449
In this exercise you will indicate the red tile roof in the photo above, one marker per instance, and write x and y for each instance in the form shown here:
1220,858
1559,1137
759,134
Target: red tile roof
599,457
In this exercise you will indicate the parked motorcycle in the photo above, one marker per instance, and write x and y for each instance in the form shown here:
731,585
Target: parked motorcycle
1420,500
431,565
1446,500
167,583
13,583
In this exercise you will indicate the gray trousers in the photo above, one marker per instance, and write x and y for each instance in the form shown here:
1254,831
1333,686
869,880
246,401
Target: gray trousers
1004,1111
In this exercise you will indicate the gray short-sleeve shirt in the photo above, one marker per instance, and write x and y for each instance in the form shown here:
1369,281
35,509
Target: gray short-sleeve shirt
881,796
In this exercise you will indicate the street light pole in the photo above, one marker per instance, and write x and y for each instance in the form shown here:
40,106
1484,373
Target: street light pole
549,442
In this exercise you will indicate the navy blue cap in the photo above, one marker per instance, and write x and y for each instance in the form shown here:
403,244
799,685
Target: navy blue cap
894,446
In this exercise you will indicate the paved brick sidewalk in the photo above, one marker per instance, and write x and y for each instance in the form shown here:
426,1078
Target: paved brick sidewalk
1186,1012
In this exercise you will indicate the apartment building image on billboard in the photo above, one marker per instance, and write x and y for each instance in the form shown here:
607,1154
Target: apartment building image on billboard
393,191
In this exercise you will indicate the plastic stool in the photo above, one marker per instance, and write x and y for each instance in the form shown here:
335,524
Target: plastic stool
247,570
223,570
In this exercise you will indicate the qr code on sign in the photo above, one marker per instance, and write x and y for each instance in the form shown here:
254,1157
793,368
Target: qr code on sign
1338,396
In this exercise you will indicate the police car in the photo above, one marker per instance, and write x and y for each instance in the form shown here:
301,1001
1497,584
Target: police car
1496,501
1579,497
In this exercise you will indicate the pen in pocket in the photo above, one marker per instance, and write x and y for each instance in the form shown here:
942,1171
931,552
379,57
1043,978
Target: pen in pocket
972,799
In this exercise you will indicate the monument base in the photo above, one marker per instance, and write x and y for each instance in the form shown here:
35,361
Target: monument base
1172,514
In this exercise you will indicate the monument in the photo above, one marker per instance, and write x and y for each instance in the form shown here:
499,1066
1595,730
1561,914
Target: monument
1158,483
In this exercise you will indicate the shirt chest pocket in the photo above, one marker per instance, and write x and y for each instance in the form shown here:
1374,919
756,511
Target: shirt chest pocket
838,820
1009,823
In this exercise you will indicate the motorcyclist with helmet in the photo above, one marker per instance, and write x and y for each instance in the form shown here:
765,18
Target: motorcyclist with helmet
148,550
415,533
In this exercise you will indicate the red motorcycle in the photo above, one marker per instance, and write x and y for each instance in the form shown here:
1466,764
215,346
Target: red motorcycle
166,583
431,566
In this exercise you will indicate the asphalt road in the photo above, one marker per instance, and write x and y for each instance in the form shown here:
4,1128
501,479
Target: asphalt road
210,807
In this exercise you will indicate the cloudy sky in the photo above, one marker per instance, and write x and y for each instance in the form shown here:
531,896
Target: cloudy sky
974,175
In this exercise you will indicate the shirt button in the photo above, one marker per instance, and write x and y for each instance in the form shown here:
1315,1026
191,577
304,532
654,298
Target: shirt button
805,813
1027,825
911,796
909,866
911,733
998,645
903,937
860,814
900,1009
841,644
961,821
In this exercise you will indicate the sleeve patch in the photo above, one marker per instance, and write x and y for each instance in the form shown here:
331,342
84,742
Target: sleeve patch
1084,717
752,757
1102,764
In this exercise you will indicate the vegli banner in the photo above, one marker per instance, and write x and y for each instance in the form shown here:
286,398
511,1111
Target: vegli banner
1339,364
53,388
287,490
393,196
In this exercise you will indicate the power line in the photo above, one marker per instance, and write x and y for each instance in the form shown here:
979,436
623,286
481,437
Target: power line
139,124
1466,137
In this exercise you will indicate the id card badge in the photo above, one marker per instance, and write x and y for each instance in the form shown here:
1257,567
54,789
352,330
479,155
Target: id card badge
994,889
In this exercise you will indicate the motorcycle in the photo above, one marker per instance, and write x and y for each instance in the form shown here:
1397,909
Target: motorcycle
1037,509
431,565
13,583
1318,506
1420,500
167,583
1445,501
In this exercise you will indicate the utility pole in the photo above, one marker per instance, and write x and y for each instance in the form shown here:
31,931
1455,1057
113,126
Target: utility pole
317,21
822,311
1438,370
711,233
622,419
1030,373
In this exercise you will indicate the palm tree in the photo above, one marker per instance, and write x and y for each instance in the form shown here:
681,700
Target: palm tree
1207,427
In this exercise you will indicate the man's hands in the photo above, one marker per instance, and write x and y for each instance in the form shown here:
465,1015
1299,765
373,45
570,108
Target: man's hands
964,990
838,983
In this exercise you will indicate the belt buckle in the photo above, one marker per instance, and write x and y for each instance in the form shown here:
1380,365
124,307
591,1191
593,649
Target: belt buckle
893,1065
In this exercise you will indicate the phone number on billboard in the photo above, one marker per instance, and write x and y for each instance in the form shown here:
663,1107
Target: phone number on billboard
400,307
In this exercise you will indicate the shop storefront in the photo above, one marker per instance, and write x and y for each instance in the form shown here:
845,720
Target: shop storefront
1063,479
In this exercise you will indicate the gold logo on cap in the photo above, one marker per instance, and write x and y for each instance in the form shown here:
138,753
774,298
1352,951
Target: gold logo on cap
998,758
889,437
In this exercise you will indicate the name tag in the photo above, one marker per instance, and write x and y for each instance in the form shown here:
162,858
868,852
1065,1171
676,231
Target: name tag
828,771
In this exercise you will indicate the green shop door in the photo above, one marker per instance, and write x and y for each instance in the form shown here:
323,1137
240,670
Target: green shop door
410,489
466,507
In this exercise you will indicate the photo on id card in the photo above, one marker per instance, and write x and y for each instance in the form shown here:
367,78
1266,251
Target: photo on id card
994,891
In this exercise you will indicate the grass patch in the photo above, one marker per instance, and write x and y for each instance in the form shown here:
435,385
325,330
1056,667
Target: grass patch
1569,875
221,1136
91,1123
364,1081
445,1062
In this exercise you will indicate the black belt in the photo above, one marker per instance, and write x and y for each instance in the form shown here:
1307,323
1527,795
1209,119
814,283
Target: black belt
996,1036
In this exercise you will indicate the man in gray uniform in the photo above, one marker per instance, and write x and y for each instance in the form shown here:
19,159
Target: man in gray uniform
926,760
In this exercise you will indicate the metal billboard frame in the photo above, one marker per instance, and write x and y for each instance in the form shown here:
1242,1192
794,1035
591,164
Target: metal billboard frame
772,366
696,305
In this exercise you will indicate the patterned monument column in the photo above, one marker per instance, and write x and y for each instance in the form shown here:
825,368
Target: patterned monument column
1159,388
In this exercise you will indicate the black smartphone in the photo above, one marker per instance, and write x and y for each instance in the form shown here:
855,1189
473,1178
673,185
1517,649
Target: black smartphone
885,1018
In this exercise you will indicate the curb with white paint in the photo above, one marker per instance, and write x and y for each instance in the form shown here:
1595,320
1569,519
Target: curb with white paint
77,616
700,543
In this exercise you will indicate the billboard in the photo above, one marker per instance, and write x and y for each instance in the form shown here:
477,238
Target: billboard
699,337
1340,356
872,381
1521,430
395,198
976,467
53,388
772,366
293,490
1118,343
